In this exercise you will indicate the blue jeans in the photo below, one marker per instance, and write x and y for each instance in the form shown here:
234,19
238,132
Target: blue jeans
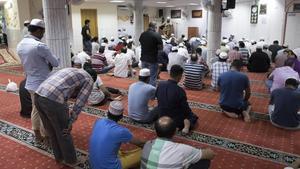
87,46
153,71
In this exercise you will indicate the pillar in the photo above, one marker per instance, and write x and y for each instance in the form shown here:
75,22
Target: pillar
214,28
57,33
138,19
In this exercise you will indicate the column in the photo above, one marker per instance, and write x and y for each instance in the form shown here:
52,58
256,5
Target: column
57,33
138,19
214,28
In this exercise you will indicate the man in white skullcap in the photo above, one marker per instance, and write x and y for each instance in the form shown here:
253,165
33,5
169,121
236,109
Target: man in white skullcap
25,29
37,61
139,95
176,58
106,139
218,68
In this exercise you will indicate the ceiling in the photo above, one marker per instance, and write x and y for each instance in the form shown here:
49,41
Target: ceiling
166,3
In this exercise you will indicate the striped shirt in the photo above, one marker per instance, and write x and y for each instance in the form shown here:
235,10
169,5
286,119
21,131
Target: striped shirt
162,154
193,74
217,69
63,84
245,55
98,62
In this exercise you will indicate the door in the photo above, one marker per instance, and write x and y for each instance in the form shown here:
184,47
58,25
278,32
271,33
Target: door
146,22
90,14
193,32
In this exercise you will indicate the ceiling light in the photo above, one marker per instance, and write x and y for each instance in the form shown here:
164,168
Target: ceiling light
161,2
193,4
116,1
170,6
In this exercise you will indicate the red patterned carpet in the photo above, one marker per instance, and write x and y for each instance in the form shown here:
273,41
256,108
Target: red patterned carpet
257,145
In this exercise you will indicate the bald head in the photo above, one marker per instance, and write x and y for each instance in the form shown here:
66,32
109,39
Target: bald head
165,127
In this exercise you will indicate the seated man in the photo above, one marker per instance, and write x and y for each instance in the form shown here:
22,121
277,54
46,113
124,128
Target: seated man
82,58
234,54
99,62
123,64
218,68
172,101
233,84
193,73
139,95
285,106
175,58
259,61
278,77
106,139
163,152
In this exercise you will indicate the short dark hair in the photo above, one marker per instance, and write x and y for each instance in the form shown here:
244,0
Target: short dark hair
101,49
152,25
92,73
165,129
238,64
114,117
292,82
32,28
176,70
95,39
105,40
236,48
199,50
145,79
194,57
276,42
241,44
87,21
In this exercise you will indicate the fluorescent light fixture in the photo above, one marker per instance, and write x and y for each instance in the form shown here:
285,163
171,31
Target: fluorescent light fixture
193,4
3,0
116,1
161,2
170,6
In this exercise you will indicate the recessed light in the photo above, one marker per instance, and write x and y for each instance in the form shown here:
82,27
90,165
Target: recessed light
116,1
161,2
193,4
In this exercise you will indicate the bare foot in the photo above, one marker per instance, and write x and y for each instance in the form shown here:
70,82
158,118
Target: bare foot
231,115
185,131
246,115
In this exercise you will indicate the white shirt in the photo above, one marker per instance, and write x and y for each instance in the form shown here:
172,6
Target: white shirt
82,57
95,47
109,55
97,83
175,59
184,52
122,61
131,54
138,52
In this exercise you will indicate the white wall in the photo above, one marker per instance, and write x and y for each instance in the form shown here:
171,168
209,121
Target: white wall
107,22
269,26
292,28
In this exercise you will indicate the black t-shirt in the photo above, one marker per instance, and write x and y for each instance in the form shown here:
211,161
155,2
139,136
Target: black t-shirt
287,104
84,34
150,40
259,62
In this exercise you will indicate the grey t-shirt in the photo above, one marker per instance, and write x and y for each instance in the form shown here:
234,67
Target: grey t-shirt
139,95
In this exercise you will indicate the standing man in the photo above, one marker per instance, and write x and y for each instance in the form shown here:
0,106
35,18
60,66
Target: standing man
37,61
86,36
151,43
51,100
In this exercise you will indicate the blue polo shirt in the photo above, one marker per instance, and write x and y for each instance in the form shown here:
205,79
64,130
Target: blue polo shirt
232,85
105,142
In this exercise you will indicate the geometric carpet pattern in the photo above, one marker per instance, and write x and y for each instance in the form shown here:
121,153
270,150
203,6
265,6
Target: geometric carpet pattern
256,145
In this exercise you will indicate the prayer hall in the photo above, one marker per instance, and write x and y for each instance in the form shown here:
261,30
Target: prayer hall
150,84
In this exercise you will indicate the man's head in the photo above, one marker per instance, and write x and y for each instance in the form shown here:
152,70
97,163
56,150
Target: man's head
292,83
176,72
165,127
144,75
194,57
124,50
87,22
237,65
90,71
223,56
276,42
265,47
174,49
241,44
26,23
152,25
259,49
101,49
199,51
115,111
236,48
95,39
37,28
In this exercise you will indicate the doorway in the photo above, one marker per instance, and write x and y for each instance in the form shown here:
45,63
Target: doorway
146,22
90,14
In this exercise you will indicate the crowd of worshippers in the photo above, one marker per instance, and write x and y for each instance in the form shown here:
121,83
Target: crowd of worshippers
50,92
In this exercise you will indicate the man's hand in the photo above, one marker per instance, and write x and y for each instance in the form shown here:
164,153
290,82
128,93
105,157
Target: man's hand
208,154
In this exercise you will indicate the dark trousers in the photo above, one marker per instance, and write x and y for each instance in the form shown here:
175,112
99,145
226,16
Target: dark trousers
25,100
201,164
55,117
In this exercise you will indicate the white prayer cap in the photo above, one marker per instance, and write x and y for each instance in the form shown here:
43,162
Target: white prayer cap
103,44
181,45
116,108
38,23
27,22
112,38
168,17
144,72
261,39
185,39
259,47
172,34
297,52
11,86
223,55
203,42
174,48
168,41
129,40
